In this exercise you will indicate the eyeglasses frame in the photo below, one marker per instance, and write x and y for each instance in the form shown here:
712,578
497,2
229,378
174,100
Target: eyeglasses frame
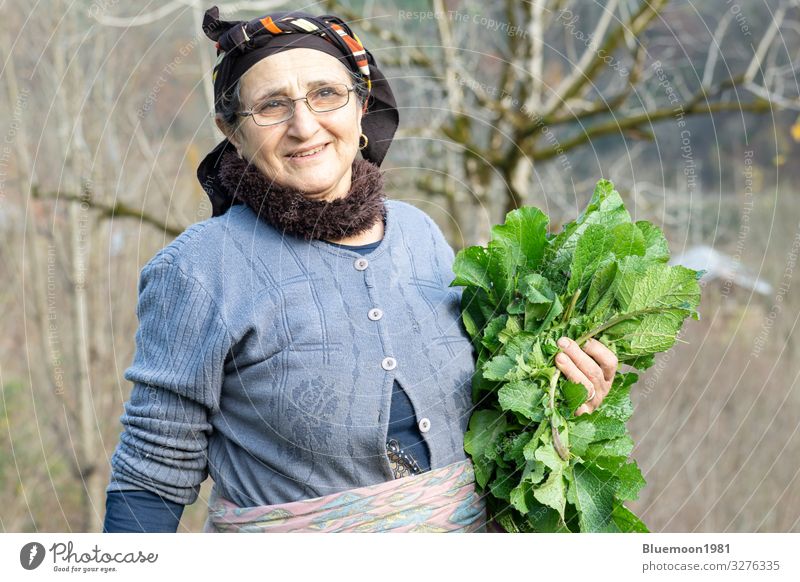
252,113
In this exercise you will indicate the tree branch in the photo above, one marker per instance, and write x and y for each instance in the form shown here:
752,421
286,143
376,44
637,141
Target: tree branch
763,46
606,105
634,121
591,63
118,210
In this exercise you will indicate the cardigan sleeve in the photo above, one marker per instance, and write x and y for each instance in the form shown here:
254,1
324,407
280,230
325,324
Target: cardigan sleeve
177,372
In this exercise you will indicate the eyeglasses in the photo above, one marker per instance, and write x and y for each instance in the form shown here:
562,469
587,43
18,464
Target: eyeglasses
275,110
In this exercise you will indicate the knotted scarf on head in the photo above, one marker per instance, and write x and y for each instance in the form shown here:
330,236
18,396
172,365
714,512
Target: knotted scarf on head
241,44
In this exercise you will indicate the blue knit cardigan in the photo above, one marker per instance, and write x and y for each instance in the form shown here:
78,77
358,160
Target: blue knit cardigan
268,361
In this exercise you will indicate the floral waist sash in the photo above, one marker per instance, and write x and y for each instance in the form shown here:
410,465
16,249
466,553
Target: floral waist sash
440,500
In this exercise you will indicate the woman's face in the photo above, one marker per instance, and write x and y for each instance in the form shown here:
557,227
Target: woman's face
272,149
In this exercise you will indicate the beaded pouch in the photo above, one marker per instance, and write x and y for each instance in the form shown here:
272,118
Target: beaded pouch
402,462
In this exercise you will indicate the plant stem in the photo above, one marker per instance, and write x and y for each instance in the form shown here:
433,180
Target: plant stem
618,319
557,444
571,307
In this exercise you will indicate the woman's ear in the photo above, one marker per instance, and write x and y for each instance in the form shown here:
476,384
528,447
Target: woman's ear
229,133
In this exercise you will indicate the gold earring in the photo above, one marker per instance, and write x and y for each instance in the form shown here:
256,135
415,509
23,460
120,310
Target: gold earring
366,141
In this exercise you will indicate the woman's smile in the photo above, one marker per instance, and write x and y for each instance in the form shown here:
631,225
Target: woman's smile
306,155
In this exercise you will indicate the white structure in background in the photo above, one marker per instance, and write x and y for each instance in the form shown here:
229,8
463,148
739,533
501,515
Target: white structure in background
720,267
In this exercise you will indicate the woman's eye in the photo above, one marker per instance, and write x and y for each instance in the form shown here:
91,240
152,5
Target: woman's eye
274,104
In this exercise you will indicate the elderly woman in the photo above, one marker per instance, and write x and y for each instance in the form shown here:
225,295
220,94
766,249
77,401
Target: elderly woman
303,346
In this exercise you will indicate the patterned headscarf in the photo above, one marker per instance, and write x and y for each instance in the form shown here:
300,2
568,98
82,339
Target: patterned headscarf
241,44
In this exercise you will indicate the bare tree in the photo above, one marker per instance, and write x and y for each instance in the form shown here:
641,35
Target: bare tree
532,81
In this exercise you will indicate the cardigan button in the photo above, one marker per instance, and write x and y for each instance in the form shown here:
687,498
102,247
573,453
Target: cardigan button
389,363
361,264
424,425
375,314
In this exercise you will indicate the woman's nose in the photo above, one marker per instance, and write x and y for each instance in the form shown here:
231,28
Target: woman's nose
304,122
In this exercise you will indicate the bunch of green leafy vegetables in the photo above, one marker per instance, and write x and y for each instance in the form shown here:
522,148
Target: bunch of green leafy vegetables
603,276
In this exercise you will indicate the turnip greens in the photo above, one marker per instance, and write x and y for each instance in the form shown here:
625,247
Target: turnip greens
604,277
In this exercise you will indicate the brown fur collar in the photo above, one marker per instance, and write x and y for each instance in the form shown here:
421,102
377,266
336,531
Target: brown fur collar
293,213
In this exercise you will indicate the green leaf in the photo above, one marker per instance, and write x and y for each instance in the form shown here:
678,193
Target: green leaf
516,247
499,367
594,493
647,334
545,519
607,427
471,267
617,403
542,304
606,208
481,439
483,470
533,472
491,333
631,481
511,334
516,307
522,237
504,482
476,312
529,452
476,303
552,493
619,447
599,245
522,396
520,497
574,394
479,382
645,285
534,324
655,244
548,455
513,446
537,292
600,297
581,435
626,521
607,463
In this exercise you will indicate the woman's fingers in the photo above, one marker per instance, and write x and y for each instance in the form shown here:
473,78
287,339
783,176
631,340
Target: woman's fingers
604,357
593,366
584,362
571,372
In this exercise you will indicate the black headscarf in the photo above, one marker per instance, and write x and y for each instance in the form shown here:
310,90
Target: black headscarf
241,44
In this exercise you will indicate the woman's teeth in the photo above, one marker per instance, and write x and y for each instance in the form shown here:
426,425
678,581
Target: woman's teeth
310,153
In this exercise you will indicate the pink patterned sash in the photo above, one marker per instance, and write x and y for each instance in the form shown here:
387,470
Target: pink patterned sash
440,500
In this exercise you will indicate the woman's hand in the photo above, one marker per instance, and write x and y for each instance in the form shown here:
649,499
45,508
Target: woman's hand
593,366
